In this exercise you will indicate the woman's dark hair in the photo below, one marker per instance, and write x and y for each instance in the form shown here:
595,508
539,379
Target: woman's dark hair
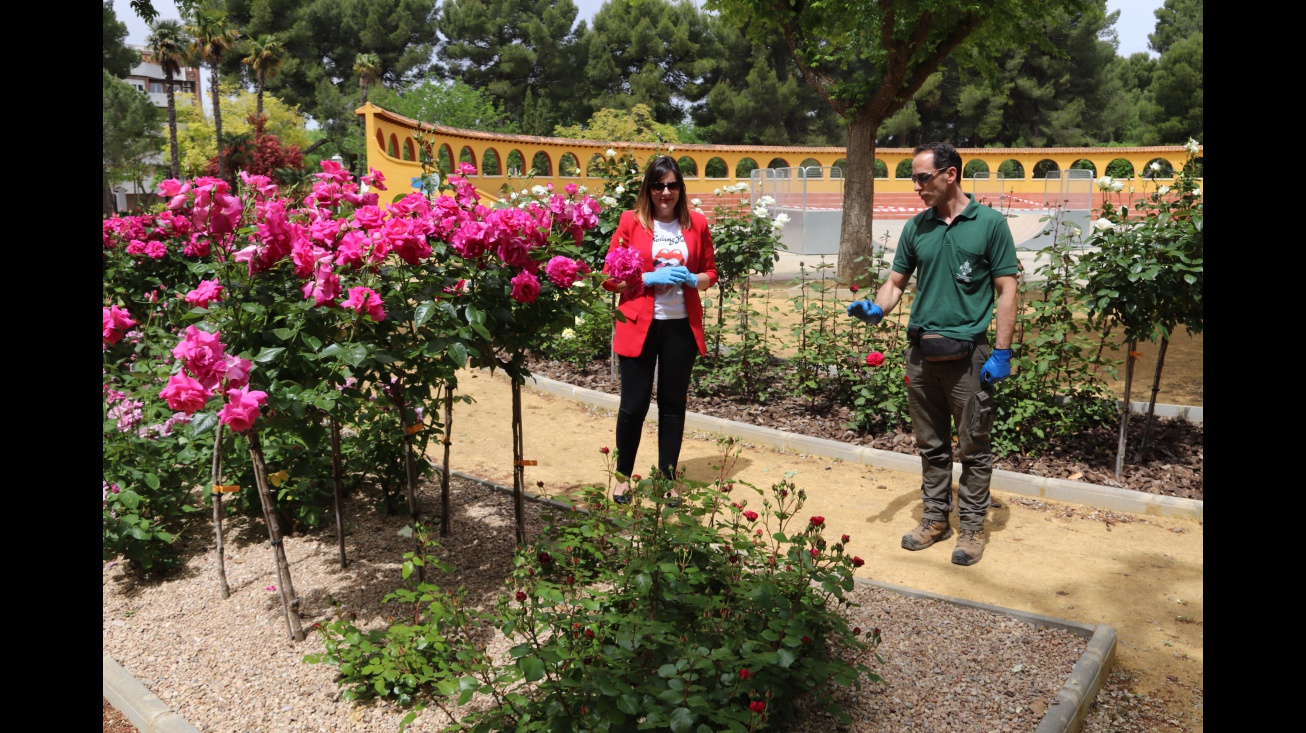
945,156
657,168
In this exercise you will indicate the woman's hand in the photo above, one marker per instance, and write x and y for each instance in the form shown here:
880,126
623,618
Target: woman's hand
615,286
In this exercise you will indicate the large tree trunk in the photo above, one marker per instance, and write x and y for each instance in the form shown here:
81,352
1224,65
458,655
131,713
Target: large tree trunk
172,126
856,245
258,105
217,122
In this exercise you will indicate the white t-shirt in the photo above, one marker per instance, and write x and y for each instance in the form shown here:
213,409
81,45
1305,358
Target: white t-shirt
669,250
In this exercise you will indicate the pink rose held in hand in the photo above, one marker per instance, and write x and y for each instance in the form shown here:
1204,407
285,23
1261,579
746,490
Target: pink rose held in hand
875,358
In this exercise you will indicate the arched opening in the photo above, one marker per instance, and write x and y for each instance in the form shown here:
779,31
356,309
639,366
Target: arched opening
1158,168
880,169
594,168
1084,164
393,148
1011,168
903,169
490,163
716,168
778,163
568,166
444,162
410,150
1120,168
688,168
467,156
515,162
541,165
974,166
745,167
1043,167
812,168
380,139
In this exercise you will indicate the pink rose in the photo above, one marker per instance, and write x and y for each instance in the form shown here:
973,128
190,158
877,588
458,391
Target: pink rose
562,271
207,291
185,394
116,323
525,287
365,300
627,265
242,409
874,359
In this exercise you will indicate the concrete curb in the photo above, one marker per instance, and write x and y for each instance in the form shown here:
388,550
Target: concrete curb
1067,712
1063,490
142,708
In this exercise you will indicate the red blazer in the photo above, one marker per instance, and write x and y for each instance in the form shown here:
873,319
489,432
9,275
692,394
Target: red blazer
628,337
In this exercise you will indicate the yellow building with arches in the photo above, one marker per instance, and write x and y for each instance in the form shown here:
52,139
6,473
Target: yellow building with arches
392,148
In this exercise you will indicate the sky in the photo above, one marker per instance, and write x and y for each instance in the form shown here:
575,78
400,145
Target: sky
1137,19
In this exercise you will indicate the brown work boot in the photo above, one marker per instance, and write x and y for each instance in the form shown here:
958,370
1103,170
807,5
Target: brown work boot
926,533
970,547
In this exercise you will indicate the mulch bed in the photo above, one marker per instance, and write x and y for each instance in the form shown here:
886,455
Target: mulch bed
1172,465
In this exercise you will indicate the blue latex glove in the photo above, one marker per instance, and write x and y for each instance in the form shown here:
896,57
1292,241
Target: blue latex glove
866,310
664,276
689,278
997,368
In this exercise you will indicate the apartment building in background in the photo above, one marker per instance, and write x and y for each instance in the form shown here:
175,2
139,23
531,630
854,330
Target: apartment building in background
147,76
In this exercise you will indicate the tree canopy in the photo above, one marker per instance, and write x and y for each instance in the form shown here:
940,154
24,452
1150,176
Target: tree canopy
118,57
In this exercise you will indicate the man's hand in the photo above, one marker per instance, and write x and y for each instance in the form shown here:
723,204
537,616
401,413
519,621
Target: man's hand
997,368
866,310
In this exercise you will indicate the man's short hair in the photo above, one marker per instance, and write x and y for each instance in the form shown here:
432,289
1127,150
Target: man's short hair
945,156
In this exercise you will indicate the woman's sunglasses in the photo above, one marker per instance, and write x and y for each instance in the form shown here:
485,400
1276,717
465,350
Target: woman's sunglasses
659,185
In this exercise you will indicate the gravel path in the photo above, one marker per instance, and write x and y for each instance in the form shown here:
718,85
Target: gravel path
229,666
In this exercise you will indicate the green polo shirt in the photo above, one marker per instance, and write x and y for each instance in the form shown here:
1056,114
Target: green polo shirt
955,265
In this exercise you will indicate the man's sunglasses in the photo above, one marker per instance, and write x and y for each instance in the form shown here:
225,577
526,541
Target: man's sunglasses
923,178
659,185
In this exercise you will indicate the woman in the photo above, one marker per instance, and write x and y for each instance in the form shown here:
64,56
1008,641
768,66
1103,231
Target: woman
664,319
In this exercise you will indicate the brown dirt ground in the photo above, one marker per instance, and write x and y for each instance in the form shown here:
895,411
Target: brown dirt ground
1140,575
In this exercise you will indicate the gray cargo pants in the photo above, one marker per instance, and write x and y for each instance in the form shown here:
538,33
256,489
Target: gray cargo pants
939,392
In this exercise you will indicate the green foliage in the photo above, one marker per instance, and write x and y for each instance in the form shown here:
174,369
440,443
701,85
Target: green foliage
118,58
877,394
131,131
824,359
452,103
635,613
633,125
586,342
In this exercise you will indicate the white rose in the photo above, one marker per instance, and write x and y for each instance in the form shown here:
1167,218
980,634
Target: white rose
1117,186
780,221
580,320
539,191
619,190
716,192
1103,224
583,189
513,197
742,187
696,202
760,211
1197,192
1104,183
1191,146
567,333
1121,228
766,201
611,153
608,201
1155,166
1163,190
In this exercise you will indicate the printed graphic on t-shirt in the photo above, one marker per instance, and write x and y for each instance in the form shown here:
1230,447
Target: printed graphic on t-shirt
669,250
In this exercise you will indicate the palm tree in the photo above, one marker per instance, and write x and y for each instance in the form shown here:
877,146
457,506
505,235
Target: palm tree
368,68
213,37
170,47
265,55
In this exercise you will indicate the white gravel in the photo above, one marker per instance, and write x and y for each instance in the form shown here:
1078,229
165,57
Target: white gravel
229,666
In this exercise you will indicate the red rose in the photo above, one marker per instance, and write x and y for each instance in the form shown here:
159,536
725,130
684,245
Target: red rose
589,633
815,552
875,358
858,562
846,539
853,289
857,630
521,597
750,516
818,521
743,674
603,450
757,706
545,558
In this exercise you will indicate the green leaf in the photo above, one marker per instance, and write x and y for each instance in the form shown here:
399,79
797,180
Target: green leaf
332,350
628,704
285,334
681,720
355,354
458,352
786,657
202,422
151,480
532,668
667,670
268,354
423,312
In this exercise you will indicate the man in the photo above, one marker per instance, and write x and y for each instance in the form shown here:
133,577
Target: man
962,253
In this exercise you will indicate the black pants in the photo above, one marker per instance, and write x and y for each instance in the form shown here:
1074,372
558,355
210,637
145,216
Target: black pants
670,347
